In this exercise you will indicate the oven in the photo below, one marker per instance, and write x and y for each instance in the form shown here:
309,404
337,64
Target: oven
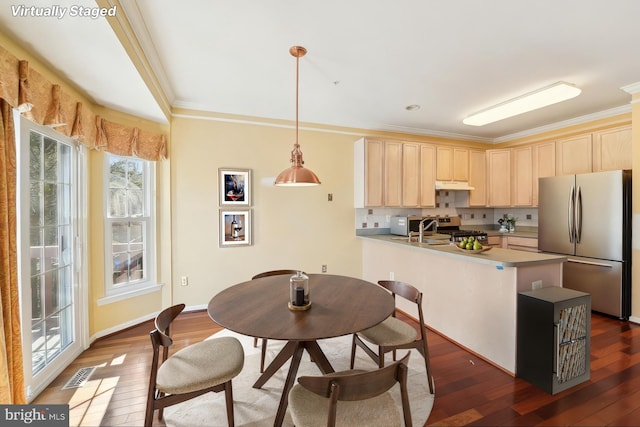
451,226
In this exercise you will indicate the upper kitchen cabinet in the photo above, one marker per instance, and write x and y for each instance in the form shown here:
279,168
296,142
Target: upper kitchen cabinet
452,164
499,177
612,149
427,175
522,188
368,173
477,178
393,174
544,164
392,192
574,155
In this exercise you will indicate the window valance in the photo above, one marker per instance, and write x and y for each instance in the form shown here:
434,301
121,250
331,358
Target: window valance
46,103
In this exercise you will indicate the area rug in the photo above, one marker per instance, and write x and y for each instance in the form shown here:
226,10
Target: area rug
257,407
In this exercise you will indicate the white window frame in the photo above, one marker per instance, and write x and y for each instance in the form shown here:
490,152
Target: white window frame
118,292
35,384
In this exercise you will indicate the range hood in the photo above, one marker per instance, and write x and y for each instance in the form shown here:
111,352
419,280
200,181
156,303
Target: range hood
453,185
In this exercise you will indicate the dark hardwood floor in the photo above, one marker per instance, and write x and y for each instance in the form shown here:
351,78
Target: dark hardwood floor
469,391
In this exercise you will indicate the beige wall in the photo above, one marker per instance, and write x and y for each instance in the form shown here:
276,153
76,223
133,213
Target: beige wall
292,227
635,260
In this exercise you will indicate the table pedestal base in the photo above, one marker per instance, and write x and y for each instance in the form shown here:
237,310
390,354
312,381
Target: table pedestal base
293,350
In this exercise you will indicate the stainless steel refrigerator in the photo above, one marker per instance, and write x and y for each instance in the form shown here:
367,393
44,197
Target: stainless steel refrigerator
588,218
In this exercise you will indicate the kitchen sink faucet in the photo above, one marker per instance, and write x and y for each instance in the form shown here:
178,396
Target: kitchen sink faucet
421,227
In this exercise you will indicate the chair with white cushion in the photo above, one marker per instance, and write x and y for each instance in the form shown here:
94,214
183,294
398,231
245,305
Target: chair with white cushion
192,371
351,398
393,334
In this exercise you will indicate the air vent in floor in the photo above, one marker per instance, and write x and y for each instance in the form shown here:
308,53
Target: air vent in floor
80,378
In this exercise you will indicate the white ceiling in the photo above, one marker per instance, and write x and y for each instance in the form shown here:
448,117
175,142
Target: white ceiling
367,60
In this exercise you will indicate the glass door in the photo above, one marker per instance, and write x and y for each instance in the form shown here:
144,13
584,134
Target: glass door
49,270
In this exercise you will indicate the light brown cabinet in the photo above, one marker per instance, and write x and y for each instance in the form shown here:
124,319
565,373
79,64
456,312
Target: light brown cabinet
411,174
574,155
477,178
528,244
392,192
498,177
544,164
427,175
612,149
522,166
494,241
452,164
393,174
368,173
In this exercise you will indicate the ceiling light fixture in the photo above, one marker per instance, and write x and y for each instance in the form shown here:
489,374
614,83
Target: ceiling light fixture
297,175
548,95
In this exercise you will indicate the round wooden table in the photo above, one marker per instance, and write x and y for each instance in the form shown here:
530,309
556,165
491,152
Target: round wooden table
340,305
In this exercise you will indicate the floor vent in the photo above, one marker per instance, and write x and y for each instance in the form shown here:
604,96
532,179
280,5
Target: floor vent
80,378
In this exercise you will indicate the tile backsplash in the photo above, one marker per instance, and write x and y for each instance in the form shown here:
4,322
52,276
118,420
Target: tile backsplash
379,218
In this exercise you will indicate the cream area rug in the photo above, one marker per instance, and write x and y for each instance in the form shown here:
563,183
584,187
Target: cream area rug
257,407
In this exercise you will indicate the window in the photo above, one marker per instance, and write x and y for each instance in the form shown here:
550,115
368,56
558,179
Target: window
129,228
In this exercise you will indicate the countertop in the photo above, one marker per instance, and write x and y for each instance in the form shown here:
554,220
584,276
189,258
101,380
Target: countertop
496,256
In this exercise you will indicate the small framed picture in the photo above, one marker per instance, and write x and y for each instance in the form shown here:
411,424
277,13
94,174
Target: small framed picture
234,187
235,227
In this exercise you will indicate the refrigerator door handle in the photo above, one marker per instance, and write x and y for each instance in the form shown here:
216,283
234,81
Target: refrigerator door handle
570,215
578,220
597,264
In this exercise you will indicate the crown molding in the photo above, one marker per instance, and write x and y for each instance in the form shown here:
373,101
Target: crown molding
565,123
198,112
128,26
632,88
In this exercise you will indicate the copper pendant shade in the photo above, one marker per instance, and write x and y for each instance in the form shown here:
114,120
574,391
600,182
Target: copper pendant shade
297,175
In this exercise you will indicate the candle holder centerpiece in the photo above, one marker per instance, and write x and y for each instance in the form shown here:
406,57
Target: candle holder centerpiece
299,292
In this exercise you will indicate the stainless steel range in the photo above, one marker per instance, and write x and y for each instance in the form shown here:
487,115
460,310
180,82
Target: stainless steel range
451,225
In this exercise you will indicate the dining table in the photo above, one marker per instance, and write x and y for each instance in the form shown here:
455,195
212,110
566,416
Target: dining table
340,305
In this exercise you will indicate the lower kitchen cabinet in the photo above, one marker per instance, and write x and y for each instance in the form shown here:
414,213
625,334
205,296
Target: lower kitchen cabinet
553,338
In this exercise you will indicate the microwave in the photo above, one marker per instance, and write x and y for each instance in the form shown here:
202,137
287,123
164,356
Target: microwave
403,225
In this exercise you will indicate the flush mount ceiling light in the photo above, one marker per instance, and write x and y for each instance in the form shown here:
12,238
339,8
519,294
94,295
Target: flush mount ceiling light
548,95
297,175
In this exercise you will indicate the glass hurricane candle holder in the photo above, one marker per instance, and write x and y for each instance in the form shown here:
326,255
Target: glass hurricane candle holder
299,292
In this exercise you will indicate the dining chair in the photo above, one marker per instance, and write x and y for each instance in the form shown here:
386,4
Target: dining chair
393,334
192,371
264,340
351,398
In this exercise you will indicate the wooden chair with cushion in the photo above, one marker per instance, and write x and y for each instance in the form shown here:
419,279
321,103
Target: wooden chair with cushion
194,370
393,334
264,340
351,398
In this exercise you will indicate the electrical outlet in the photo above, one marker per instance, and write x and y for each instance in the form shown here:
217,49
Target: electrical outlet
330,197
324,268
536,284
392,275
184,281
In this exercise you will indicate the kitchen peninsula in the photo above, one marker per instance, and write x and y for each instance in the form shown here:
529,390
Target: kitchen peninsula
469,298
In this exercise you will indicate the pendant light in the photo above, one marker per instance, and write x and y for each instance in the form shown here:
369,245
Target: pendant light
297,175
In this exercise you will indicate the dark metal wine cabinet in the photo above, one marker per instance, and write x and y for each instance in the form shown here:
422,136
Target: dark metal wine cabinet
554,338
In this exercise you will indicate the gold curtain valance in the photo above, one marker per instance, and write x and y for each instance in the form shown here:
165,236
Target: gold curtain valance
127,141
46,103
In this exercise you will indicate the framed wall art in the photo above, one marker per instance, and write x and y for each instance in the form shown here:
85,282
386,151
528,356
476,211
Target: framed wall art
235,227
234,187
